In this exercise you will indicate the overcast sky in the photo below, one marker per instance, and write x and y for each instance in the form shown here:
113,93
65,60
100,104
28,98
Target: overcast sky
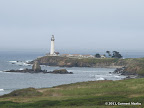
76,24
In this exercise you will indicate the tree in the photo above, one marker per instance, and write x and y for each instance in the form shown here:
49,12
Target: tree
116,55
98,56
109,53
104,55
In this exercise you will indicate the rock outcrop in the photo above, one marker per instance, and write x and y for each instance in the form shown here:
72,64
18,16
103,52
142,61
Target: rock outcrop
26,70
80,62
61,71
36,67
120,70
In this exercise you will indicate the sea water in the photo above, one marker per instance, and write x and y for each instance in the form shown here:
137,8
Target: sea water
12,81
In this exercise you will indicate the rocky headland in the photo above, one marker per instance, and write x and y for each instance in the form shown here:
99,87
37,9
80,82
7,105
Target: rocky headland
80,62
129,66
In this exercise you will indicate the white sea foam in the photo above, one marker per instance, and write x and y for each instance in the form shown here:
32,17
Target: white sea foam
1,71
117,76
101,78
27,61
21,69
1,90
23,63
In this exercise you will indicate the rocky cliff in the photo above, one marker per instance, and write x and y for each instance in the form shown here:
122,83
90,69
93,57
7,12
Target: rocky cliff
133,65
80,62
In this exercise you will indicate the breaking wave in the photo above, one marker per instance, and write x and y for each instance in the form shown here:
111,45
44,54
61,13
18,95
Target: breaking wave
21,63
101,78
1,90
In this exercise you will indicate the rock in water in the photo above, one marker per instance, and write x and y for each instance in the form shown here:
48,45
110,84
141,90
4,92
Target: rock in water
36,67
61,71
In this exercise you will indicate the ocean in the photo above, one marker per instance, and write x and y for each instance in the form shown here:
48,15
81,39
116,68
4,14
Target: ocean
12,81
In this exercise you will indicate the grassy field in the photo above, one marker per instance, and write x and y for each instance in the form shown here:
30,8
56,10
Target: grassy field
93,94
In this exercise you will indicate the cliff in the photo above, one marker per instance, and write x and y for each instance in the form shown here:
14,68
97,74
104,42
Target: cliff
134,66
79,62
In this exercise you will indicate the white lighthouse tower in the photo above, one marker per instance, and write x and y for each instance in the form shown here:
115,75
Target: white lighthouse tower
52,50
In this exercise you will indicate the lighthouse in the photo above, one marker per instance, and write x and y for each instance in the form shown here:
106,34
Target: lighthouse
52,50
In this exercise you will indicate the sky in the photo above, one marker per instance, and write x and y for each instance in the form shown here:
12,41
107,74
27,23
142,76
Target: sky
76,24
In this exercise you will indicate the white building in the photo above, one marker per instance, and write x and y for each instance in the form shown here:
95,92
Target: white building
52,50
87,56
102,56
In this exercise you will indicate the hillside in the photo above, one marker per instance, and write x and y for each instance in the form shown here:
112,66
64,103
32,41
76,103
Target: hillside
92,94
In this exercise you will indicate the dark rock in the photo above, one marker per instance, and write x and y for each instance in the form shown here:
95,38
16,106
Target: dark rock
123,71
36,67
26,70
120,70
128,77
61,71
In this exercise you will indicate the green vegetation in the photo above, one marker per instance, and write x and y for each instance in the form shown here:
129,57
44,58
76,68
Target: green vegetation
135,66
92,94
76,62
98,55
24,92
115,54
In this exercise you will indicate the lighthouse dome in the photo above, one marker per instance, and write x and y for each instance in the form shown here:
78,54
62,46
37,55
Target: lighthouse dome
52,38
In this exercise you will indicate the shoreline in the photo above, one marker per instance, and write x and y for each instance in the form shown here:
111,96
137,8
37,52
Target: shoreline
134,66
70,83
95,93
103,65
128,77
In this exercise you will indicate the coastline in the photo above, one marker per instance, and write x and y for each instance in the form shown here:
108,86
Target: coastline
134,66
100,63
50,95
95,93
76,74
